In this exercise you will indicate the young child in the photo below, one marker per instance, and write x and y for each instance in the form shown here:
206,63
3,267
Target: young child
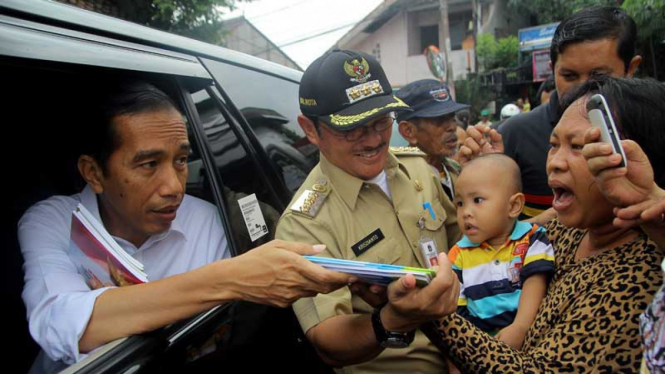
503,264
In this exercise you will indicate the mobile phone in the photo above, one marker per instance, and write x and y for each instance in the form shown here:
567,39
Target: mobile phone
601,117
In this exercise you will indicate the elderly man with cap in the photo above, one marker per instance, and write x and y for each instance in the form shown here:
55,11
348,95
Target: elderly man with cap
367,203
432,127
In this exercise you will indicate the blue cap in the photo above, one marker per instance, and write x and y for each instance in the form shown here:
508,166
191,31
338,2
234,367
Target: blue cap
428,98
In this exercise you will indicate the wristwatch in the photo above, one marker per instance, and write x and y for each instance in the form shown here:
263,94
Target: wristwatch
390,339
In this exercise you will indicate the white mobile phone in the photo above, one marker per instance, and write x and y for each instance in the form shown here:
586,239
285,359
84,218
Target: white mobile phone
601,117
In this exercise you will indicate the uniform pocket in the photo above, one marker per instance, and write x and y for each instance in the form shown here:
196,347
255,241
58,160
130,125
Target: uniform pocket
436,223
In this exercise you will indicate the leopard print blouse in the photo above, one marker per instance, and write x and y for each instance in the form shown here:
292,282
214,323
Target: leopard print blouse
587,323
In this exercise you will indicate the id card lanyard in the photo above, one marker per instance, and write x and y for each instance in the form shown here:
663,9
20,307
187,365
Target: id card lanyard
427,245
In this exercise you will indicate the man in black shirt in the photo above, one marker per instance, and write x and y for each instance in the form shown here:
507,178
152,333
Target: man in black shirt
597,40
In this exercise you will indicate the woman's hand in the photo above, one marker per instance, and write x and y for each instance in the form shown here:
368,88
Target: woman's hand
632,189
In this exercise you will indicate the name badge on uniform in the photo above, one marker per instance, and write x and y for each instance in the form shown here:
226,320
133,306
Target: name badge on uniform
367,242
427,244
429,251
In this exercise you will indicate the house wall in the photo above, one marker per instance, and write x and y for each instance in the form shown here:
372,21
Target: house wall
390,45
244,38
498,20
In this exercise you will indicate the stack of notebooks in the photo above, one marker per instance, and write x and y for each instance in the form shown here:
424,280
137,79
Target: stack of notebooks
369,272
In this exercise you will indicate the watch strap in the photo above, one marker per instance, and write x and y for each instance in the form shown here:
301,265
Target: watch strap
390,339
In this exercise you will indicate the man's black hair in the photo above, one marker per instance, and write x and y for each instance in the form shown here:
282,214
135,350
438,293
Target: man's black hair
597,23
123,98
638,112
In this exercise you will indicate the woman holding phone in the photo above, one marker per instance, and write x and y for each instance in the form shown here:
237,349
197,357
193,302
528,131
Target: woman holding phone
643,205
608,252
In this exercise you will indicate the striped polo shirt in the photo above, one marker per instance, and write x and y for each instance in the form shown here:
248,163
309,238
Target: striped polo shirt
491,279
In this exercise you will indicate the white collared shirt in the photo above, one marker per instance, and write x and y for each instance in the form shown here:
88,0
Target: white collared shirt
381,180
58,301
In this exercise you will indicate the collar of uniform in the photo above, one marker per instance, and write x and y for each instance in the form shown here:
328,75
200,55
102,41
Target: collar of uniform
346,185
520,229
89,200
392,163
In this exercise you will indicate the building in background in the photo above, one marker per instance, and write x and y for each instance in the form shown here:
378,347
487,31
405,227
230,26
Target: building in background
239,34
535,42
398,31
242,36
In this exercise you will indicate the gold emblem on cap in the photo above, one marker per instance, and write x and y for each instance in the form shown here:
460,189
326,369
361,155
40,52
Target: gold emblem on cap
363,91
354,94
358,70
419,186
376,87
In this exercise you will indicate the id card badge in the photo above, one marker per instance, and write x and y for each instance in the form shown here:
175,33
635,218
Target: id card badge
428,246
429,251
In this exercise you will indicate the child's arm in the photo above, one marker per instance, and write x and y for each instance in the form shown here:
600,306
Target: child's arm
533,291
455,258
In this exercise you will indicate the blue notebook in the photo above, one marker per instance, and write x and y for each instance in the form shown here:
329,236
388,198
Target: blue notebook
370,272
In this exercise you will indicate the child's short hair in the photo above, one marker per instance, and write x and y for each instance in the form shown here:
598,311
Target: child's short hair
504,164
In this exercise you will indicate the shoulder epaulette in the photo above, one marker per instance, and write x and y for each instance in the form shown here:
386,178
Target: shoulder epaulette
311,200
407,151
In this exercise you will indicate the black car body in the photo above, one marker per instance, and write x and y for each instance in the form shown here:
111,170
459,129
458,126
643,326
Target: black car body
241,116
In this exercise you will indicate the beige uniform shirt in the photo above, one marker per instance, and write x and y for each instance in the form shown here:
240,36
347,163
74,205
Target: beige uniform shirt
347,213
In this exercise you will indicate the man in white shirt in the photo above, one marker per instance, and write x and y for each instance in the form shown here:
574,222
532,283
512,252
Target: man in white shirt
136,170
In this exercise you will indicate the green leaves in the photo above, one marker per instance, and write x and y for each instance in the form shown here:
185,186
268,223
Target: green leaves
548,11
649,15
198,19
493,54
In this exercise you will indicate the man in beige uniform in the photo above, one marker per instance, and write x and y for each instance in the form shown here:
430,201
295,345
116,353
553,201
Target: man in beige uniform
364,203
432,127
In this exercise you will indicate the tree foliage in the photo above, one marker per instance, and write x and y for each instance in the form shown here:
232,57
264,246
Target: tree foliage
548,11
198,19
470,91
486,50
494,54
649,15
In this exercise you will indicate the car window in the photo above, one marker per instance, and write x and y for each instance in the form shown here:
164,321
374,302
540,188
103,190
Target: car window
252,209
270,105
47,130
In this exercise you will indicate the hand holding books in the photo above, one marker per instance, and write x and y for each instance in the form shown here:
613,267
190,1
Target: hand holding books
413,295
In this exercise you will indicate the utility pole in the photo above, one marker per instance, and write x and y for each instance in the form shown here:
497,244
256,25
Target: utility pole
476,26
444,45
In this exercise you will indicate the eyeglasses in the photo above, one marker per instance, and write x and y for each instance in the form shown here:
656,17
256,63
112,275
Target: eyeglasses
378,126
